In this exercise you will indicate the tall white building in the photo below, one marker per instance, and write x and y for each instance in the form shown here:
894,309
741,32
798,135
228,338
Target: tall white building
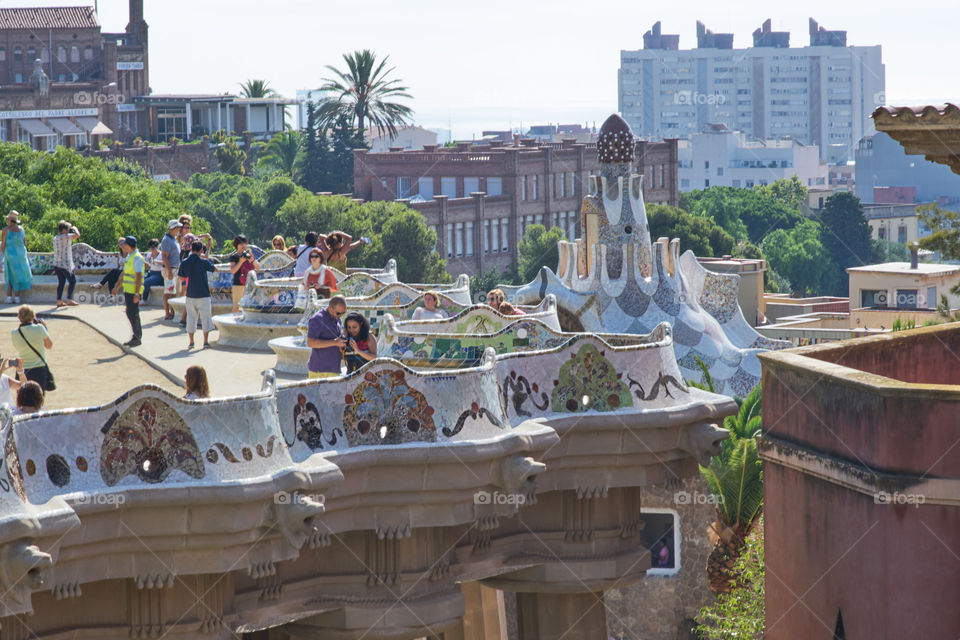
822,94
303,97
722,158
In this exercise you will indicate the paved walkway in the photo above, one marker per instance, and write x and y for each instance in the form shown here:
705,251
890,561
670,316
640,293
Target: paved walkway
231,370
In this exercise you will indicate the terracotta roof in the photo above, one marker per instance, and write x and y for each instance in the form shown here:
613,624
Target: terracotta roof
929,111
930,130
49,18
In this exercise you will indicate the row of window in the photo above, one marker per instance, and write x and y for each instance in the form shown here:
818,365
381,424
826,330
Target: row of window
45,54
495,235
563,186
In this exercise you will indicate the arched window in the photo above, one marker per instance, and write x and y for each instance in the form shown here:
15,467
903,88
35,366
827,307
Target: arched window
3,54
31,54
45,55
17,54
61,53
88,53
74,54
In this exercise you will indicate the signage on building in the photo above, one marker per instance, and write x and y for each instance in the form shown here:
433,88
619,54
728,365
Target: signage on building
126,107
161,177
129,66
47,113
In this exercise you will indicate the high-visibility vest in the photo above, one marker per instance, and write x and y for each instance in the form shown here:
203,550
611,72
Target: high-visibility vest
130,274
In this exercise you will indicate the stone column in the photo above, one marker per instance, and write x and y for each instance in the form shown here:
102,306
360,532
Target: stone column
441,201
571,616
479,198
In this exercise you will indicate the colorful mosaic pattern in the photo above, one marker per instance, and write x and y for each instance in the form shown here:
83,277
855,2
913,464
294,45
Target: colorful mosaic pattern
589,382
384,409
148,440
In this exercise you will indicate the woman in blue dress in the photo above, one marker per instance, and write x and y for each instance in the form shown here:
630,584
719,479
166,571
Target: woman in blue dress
16,267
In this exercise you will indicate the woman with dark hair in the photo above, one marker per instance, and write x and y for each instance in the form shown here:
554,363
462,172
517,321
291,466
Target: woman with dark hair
317,275
196,383
361,346
336,246
242,262
29,398
63,261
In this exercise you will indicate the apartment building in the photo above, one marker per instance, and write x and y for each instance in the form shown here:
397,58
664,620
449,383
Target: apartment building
481,198
821,94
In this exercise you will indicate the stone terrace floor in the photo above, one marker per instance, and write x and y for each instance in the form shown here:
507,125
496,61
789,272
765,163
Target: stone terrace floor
91,368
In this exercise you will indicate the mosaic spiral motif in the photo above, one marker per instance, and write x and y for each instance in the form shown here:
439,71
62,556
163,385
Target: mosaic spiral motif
384,409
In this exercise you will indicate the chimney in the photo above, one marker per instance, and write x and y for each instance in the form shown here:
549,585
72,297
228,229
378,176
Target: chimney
136,14
914,256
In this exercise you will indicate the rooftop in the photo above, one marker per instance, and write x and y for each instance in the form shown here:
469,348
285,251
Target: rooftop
929,130
923,268
49,18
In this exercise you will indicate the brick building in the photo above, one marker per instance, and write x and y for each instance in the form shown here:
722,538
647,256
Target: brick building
63,81
480,198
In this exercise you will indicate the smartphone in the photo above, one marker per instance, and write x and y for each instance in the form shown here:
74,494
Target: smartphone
365,239
14,362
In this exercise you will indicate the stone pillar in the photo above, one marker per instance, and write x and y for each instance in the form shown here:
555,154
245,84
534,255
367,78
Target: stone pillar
479,198
572,616
483,617
441,201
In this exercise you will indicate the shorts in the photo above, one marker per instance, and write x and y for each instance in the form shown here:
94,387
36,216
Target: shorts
322,374
199,309
236,291
170,286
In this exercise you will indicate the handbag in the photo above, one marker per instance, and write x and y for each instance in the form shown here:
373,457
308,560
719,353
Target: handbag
51,383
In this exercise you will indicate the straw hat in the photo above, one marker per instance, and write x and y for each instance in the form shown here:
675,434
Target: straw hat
13,215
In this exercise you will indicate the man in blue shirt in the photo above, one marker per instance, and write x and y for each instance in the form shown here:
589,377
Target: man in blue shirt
170,255
325,339
195,269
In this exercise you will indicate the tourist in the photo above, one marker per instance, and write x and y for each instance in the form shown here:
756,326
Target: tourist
132,283
29,398
111,277
337,245
170,254
278,243
508,309
155,263
318,275
661,555
361,346
31,340
495,298
242,262
292,252
8,385
16,266
63,261
186,242
198,307
303,253
429,310
196,383
325,339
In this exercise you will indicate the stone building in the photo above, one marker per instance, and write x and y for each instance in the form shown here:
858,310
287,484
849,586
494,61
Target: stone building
481,198
63,81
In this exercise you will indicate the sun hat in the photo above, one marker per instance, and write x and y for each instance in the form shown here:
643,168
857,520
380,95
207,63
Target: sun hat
174,224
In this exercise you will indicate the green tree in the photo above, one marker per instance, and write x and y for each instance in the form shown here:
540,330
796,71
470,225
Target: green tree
340,173
746,214
538,248
699,234
257,89
399,232
281,153
799,256
364,94
315,159
945,230
230,157
790,192
845,235
740,614
490,279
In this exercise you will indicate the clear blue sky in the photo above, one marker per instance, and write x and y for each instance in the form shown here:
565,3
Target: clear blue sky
499,62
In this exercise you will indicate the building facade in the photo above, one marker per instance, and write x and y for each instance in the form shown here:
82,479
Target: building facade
63,81
720,157
822,94
410,138
481,198
882,165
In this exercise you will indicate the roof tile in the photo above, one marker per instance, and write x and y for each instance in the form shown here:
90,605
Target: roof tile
49,18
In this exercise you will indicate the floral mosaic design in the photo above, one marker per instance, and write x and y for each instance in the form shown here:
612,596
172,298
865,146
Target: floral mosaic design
148,440
270,299
719,297
588,381
385,409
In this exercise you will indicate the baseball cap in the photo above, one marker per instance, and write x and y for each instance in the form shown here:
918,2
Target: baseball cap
174,224
130,241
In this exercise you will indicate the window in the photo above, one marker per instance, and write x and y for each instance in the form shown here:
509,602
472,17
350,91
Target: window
523,187
31,54
171,123
468,239
18,55
719,173
538,219
3,54
907,298
425,186
448,187
44,55
74,54
61,53
494,186
706,164
562,178
931,301
436,237
661,536
18,78
88,53
470,185
536,193
504,234
706,183
449,240
685,183
458,238
661,175
486,236
571,225
873,298
573,184
902,234
495,235
403,187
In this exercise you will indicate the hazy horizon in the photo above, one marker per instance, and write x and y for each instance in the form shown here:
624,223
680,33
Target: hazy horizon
502,64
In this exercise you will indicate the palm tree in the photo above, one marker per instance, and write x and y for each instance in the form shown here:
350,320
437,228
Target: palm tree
281,152
735,479
257,89
363,94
